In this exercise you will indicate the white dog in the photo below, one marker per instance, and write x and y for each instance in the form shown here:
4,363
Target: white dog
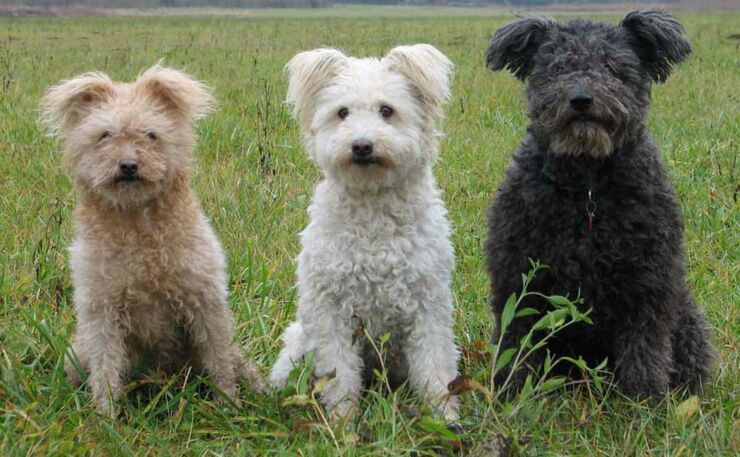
376,253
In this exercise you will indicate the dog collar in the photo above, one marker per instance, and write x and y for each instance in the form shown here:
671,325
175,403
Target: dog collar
574,191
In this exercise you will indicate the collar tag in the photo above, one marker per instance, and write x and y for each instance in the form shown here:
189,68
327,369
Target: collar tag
590,210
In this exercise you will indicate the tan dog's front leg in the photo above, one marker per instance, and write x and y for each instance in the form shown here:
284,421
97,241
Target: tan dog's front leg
212,338
103,342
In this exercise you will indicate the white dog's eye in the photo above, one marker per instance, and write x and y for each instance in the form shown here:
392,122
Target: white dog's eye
343,113
105,135
151,136
386,111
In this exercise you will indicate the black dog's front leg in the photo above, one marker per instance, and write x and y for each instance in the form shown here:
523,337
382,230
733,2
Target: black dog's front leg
643,356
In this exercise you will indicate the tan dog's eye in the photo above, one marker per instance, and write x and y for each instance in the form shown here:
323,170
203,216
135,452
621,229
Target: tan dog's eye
386,111
343,113
151,136
105,135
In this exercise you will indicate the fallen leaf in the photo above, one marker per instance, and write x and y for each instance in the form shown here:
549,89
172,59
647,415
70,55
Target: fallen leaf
480,345
688,408
478,353
303,425
463,384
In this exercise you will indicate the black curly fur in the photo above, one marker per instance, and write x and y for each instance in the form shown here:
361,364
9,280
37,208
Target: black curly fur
629,266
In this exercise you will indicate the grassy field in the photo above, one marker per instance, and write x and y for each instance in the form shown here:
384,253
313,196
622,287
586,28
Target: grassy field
255,183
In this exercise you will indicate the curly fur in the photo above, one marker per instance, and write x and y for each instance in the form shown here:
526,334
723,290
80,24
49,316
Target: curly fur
149,273
376,252
629,266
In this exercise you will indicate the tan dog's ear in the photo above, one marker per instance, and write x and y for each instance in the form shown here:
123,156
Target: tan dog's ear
428,70
69,101
308,73
177,91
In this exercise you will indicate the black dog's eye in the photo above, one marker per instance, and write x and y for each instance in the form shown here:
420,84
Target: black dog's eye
386,111
343,113
151,136
105,135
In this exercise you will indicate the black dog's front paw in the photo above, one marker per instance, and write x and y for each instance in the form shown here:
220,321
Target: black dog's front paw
643,386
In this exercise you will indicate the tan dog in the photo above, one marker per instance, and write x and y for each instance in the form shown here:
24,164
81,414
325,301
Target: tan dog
149,273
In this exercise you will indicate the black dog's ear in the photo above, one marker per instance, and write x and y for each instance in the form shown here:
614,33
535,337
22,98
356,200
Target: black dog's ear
514,45
658,39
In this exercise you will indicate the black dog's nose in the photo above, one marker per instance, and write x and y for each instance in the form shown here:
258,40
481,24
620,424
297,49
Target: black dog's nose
128,167
581,101
362,148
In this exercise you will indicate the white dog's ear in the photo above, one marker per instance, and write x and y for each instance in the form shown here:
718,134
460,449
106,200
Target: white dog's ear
308,73
69,101
429,71
177,91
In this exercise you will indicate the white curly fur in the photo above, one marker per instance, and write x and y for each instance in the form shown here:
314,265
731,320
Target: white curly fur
377,248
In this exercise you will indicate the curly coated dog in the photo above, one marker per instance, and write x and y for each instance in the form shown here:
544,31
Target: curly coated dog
376,253
588,194
149,274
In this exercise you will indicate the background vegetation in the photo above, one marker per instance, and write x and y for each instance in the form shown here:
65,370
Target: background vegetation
255,183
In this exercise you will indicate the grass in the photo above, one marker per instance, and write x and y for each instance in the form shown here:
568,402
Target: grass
255,183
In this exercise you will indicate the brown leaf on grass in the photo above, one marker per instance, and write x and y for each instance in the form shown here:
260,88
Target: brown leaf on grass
304,425
478,353
463,384
686,409
480,345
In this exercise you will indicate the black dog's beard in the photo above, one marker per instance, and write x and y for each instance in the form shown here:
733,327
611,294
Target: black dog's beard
594,133
582,138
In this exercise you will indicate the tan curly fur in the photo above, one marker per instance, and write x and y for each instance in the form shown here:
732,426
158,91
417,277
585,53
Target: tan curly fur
150,284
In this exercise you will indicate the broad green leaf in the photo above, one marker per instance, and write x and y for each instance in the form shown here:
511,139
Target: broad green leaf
504,358
508,313
527,388
548,362
552,383
526,312
551,320
558,300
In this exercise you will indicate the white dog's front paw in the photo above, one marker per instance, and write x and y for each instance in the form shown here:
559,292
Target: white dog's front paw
449,408
345,410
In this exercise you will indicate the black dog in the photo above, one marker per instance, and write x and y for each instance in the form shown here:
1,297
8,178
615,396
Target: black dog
588,195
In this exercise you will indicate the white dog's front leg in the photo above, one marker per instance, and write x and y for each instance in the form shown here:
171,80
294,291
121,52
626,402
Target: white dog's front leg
335,354
432,357
295,345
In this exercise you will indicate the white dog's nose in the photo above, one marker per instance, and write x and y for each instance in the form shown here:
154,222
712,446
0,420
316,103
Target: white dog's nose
362,148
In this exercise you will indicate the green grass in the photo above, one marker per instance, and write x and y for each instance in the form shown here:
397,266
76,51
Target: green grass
255,183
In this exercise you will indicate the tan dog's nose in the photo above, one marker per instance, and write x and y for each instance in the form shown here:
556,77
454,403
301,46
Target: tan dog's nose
128,167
